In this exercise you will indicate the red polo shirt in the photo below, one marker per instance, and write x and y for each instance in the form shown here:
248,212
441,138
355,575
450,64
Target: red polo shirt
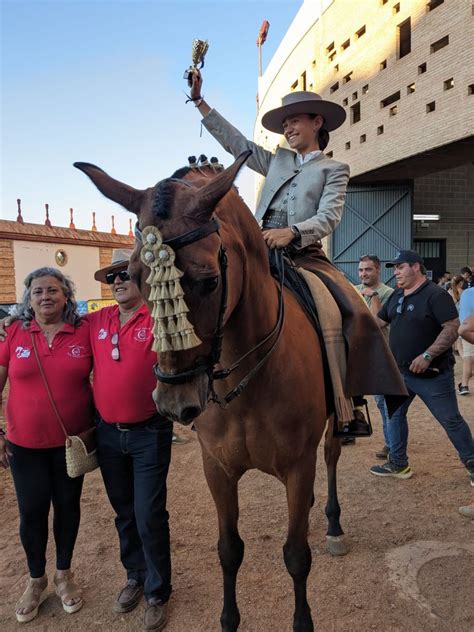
123,388
31,421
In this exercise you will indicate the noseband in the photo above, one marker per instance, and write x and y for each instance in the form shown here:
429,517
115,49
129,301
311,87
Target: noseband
207,364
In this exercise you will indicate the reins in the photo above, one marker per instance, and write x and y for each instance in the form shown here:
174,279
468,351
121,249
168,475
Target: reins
207,364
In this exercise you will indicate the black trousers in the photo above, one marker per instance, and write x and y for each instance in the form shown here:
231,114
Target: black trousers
40,479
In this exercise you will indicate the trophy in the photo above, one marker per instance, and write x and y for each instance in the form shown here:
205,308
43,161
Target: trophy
199,51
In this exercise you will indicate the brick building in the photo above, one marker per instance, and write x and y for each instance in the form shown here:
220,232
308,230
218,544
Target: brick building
404,72
78,253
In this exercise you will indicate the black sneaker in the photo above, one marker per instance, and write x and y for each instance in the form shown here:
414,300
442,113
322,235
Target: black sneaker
389,469
470,469
463,390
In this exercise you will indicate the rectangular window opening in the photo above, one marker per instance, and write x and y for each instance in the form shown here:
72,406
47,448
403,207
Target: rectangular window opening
422,68
470,89
391,99
294,86
329,154
354,96
365,88
345,45
396,8
362,138
404,38
332,56
303,80
439,44
431,107
334,87
433,4
336,68
355,113
411,88
383,64
347,78
448,84
379,130
393,110
360,32
348,144
345,101
330,48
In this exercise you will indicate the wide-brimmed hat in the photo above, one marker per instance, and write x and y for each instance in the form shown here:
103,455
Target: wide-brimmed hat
120,259
303,102
405,256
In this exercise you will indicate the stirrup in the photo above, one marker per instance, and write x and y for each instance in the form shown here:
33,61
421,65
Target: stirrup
359,426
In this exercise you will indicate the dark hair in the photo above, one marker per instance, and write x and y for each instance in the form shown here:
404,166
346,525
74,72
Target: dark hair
465,269
24,311
372,258
323,134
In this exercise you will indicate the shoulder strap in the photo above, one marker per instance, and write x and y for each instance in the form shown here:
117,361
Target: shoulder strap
47,386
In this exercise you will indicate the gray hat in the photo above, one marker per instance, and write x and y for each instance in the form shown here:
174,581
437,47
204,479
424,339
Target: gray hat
303,102
120,259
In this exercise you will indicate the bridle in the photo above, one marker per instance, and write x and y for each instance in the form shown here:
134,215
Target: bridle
207,364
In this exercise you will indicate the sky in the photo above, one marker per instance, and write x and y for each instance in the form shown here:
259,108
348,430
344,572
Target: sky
102,82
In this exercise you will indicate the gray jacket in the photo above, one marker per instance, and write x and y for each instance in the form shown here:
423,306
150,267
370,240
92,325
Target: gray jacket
317,189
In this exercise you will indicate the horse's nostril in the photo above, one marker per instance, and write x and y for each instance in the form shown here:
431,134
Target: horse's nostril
189,413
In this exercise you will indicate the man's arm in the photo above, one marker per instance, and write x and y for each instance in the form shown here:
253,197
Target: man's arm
4,452
466,330
445,339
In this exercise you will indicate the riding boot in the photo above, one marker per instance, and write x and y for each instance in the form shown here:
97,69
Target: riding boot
359,426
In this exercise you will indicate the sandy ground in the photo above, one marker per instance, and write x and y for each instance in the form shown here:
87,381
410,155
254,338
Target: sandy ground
410,566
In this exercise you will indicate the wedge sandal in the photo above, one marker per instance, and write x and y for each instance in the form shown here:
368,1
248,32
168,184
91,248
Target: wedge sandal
67,589
34,595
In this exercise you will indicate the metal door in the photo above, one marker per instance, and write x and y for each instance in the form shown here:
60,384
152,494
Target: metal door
377,220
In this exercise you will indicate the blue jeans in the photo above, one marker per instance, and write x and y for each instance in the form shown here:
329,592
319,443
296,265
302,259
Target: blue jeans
439,396
134,466
380,401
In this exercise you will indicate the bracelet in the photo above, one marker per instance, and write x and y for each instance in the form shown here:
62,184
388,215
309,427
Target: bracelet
198,102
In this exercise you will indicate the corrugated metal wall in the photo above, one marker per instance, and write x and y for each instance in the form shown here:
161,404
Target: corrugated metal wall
377,220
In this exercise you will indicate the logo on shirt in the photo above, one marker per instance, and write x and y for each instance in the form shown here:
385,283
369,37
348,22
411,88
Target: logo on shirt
22,352
102,335
141,334
75,351
410,307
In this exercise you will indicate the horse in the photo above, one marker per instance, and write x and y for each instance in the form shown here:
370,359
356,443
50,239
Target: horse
268,409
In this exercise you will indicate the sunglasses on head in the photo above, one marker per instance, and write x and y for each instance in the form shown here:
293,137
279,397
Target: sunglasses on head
122,275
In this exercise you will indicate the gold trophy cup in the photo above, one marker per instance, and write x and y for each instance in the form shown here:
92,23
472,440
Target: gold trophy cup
199,51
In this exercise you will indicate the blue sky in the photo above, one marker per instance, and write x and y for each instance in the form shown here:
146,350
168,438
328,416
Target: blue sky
102,82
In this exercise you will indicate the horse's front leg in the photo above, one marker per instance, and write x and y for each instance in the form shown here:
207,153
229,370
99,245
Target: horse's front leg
296,551
230,546
335,540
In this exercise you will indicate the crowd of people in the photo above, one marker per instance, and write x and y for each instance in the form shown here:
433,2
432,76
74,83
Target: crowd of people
301,202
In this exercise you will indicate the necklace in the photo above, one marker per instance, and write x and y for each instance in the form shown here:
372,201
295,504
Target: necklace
50,333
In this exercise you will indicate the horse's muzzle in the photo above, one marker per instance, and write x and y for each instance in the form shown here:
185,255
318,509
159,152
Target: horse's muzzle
182,402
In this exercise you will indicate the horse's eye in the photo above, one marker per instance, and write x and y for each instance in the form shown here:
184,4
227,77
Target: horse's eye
206,286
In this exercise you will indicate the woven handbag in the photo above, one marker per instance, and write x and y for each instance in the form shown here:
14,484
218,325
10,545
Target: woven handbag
81,451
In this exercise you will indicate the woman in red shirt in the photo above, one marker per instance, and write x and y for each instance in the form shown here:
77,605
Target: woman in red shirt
34,445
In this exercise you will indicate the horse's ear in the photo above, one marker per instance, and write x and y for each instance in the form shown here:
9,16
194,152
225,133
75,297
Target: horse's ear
123,194
209,195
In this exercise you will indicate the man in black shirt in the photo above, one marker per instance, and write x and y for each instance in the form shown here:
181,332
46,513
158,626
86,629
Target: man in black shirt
423,327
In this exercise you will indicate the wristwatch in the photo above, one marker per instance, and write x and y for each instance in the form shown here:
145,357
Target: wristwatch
295,231
427,356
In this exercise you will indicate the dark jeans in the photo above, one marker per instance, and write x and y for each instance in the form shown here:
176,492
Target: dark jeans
439,396
134,466
40,479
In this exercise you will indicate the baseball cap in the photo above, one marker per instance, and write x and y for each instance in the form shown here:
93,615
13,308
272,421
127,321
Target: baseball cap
405,256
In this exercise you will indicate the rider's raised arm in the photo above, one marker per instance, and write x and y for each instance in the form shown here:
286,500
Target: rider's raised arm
226,134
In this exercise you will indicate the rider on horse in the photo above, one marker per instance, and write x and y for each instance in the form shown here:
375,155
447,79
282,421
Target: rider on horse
300,203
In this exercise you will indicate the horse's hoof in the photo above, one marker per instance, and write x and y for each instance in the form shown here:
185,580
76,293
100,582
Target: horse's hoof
336,545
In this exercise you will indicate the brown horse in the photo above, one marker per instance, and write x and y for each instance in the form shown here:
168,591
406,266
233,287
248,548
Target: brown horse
279,417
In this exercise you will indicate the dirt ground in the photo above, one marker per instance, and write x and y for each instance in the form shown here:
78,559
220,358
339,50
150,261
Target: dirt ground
410,565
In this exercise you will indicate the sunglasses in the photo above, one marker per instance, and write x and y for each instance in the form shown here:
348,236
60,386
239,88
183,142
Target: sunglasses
400,304
115,348
122,275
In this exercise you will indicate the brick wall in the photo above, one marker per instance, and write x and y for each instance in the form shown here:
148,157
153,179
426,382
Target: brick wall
451,194
7,272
